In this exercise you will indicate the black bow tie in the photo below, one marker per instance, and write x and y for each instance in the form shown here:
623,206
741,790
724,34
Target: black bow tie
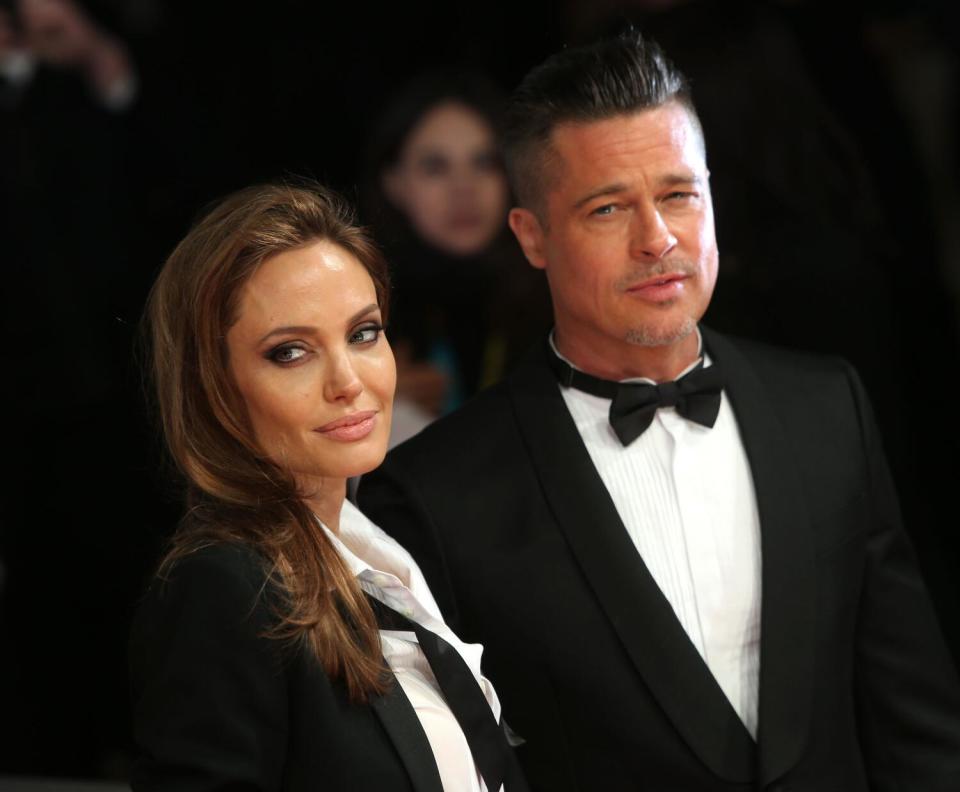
696,395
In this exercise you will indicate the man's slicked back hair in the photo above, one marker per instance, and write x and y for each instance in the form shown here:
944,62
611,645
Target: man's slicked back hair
612,77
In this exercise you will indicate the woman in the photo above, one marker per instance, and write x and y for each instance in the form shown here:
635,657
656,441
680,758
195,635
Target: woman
256,658
466,303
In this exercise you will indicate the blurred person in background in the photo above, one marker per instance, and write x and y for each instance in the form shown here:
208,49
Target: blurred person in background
437,196
72,276
59,34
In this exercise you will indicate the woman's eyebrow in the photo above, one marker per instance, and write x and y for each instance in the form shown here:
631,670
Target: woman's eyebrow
289,329
311,330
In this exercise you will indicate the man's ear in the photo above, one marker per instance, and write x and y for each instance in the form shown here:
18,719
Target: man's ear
529,233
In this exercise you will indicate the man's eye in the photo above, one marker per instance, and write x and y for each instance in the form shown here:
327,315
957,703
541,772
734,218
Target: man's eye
287,354
366,335
606,209
680,196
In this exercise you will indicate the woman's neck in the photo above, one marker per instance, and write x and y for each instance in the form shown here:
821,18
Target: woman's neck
326,498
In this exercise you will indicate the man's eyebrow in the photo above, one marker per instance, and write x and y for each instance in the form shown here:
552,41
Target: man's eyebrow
310,329
673,179
667,180
607,189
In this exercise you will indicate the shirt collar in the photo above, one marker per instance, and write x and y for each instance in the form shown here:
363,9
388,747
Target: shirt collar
359,531
380,563
701,355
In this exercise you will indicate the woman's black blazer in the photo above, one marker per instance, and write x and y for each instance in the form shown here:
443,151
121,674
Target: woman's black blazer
218,706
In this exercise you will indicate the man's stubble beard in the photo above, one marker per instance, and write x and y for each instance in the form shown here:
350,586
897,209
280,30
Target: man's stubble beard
655,337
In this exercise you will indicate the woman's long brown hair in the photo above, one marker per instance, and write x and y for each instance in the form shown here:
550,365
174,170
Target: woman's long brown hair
234,493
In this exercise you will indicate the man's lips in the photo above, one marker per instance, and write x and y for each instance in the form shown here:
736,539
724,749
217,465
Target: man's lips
660,287
659,280
354,426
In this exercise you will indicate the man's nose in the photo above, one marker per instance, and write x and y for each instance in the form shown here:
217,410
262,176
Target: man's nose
651,237
342,382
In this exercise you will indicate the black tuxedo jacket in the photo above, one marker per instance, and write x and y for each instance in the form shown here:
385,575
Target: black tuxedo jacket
525,552
218,706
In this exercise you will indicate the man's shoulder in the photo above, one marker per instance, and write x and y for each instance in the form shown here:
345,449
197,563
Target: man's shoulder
776,362
477,421
804,386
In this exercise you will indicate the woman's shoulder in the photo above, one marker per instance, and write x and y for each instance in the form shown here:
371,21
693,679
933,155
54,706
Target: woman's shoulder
208,683
219,558
216,566
215,587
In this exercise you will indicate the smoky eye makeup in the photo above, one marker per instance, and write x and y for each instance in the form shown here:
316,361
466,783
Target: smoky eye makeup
286,354
366,333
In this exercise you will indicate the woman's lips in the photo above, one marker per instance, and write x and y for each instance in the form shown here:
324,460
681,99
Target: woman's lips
465,221
351,427
659,289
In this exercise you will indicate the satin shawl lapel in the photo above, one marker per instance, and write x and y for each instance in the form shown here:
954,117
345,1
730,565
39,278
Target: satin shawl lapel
787,622
643,619
401,723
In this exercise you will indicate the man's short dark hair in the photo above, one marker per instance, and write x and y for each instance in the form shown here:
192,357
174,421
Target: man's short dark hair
612,77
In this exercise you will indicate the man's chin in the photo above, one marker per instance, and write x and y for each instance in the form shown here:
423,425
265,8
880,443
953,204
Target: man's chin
661,335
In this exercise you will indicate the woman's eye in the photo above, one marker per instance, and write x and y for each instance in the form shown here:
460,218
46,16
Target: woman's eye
434,166
487,161
366,335
289,354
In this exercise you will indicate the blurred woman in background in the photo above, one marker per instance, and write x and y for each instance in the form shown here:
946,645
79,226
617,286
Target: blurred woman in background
465,303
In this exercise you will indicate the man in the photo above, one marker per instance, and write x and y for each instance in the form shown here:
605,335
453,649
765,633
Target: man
700,586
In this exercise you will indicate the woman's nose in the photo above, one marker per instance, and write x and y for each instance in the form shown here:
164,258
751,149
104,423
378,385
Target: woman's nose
463,180
342,381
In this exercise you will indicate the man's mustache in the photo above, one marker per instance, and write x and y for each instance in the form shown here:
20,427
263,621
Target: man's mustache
659,268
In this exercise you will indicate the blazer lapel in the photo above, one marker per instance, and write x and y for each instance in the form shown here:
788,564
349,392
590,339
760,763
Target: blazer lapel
788,609
642,617
401,723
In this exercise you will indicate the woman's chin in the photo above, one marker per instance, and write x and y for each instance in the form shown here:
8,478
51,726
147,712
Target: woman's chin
463,245
370,460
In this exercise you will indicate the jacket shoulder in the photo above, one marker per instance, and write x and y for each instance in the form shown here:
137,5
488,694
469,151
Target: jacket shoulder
774,360
231,568
217,590
802,381
468,427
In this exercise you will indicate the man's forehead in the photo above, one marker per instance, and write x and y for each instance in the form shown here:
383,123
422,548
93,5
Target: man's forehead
669,123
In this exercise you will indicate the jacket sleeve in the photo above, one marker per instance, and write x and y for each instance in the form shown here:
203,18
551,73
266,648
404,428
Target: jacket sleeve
208,689
908,693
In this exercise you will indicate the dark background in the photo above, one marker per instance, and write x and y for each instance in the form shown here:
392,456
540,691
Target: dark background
831,143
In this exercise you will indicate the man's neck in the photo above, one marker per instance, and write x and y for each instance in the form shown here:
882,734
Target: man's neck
630,361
